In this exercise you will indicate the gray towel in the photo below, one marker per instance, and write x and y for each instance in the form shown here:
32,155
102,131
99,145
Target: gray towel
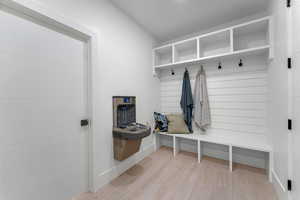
186,101
202,111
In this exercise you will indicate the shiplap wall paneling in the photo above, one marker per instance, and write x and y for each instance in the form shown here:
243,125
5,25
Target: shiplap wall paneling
238,96
238,99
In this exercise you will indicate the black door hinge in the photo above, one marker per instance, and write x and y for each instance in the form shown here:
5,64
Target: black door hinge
290,124
288,3
289,185
289,63
84,122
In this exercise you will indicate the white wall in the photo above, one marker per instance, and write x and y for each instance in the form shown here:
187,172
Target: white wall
124,68
238,101
278,107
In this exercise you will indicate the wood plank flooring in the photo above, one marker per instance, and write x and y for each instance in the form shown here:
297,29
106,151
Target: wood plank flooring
160,176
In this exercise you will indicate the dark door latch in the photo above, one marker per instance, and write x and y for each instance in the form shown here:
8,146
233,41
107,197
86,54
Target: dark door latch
84,122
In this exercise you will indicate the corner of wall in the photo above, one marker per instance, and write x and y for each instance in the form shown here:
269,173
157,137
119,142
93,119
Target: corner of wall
110,174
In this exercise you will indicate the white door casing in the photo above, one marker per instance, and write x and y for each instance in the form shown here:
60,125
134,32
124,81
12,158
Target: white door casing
279,97
295,54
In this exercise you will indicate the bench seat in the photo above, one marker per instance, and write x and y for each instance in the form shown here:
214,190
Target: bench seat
245,141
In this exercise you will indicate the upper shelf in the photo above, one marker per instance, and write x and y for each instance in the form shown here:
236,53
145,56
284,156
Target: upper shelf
249,38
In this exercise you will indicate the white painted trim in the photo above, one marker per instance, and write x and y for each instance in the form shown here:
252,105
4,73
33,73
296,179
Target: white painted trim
198,48
215,57
271,37
251,22
174,146
184,41
173,53
199,151
277,180
231,41
230,158
291,105
162,47
153,61
50,18
271,162
110,174
45,15
215,32
230,53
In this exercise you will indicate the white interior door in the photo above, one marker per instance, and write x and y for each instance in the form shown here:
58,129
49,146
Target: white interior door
43,97
296,99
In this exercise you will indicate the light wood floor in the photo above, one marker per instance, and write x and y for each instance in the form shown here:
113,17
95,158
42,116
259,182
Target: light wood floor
160,176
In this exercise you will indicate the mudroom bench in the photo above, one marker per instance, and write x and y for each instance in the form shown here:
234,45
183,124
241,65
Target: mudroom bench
256,143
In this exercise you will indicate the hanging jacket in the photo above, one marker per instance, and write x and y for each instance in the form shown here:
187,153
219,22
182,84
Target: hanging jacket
202,116
186,101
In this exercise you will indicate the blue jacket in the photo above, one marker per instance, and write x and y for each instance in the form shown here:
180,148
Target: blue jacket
186,101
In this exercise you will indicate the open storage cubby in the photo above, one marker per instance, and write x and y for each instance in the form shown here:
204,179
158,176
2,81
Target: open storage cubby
257,162
250,38
215,44
185,51
163,56
251,35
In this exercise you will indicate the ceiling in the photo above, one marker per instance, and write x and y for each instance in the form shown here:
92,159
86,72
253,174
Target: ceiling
170,19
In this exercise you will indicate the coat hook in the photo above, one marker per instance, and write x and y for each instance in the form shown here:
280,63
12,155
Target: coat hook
201,68
241,63
172,72
220,66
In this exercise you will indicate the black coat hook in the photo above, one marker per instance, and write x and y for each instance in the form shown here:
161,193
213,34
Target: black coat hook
172,72
241,63
220,66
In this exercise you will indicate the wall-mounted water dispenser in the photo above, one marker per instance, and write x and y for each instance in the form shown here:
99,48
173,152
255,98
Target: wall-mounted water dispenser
127,134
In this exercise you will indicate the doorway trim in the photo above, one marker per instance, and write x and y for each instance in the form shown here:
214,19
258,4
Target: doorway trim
45,17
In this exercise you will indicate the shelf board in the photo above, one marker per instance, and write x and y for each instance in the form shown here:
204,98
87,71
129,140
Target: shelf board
244,52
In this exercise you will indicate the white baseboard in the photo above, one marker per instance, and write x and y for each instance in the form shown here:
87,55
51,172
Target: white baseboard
110,174
279,187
